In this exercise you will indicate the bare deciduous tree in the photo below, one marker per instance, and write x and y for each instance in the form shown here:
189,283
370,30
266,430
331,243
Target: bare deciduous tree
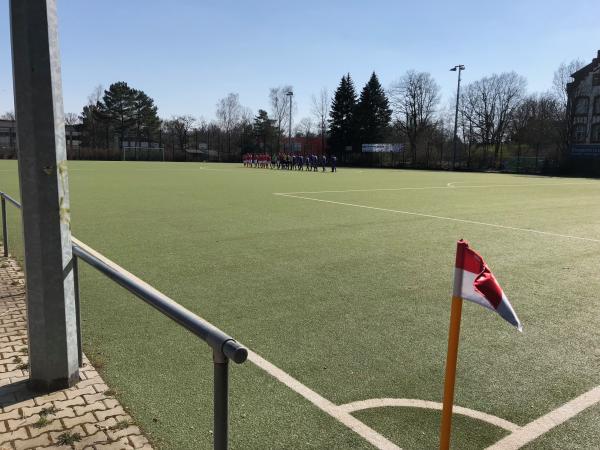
304,130
246,115
320,111
414,99
228,114
488,105
8,115
535,124
304,127
280,109
562,76
71,119
179,127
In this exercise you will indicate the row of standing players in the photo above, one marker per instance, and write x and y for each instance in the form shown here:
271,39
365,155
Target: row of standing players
286,161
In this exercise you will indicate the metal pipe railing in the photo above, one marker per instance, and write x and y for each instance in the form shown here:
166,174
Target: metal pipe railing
224,347
4,228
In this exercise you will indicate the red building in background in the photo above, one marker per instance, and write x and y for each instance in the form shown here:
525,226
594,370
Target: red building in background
310,145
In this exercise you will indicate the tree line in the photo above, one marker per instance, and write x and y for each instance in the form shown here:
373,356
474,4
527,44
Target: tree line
500,126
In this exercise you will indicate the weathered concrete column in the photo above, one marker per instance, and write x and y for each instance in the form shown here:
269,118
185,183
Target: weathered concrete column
44,194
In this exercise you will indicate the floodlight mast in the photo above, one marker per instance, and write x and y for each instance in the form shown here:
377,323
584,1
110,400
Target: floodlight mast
459,68
290,94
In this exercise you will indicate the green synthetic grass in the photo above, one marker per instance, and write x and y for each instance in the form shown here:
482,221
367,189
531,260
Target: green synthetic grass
352,302
468,434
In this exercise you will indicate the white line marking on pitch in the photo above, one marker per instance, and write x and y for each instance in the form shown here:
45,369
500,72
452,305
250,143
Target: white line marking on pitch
425,404
441,187
323,404
432,216
540,426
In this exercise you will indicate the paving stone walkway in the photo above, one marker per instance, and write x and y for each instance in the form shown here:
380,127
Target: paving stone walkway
85,416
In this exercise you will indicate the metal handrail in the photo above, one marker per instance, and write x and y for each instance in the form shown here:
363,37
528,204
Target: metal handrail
210,334
224,346
10,199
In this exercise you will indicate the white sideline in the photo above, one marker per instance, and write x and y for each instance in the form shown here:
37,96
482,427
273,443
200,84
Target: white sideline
432,216
426,404
323,404
538,427
449,185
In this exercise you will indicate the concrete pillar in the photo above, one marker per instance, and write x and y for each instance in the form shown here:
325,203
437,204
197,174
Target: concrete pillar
44,195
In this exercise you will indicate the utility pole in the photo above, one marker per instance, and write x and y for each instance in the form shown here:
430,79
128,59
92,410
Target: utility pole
290,94
51,314
458,69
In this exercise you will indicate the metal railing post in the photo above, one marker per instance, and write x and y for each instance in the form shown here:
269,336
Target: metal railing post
221,392
77,309
4,227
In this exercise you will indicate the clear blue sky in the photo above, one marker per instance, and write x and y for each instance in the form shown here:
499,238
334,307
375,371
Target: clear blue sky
187,54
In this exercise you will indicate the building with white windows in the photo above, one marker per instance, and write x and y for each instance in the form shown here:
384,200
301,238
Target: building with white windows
584,109
8,138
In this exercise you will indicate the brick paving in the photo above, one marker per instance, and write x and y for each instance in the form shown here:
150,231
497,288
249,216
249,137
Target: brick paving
85,414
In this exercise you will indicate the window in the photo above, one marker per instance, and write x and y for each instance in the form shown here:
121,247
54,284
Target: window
595,133
582,104
597,104
580,132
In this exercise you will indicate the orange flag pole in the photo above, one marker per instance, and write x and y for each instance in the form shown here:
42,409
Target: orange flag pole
453,338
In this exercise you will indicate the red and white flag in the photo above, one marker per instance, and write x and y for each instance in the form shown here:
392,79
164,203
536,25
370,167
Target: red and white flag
474,281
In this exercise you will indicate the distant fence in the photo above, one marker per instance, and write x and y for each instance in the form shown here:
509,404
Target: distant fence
509,159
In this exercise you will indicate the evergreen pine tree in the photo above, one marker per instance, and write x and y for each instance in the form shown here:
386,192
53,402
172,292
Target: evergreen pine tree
128,112
373,113
263,128
145,115
341,122
117,108
92,126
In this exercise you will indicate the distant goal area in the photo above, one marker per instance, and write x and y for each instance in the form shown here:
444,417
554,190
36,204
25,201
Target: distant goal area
142,151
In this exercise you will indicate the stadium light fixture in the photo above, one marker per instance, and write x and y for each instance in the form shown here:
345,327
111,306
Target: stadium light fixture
290,94
458,68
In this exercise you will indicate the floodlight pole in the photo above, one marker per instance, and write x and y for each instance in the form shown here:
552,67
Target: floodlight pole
290,94
458,69
51,313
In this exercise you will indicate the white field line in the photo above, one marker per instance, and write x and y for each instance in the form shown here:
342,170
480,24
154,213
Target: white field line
425,404
433,216
538,427
323,404
449,185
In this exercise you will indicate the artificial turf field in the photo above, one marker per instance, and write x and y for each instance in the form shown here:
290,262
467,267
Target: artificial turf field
348,291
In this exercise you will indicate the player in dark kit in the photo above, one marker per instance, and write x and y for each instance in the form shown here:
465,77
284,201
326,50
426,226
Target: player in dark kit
333,164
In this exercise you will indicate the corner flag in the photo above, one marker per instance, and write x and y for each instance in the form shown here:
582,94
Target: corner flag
473,281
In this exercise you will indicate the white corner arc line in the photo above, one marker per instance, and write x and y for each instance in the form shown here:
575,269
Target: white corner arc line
323,404
432,216
426,404
542,425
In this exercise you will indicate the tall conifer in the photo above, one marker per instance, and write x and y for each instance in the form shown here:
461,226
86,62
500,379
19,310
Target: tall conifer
341,122
373,113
